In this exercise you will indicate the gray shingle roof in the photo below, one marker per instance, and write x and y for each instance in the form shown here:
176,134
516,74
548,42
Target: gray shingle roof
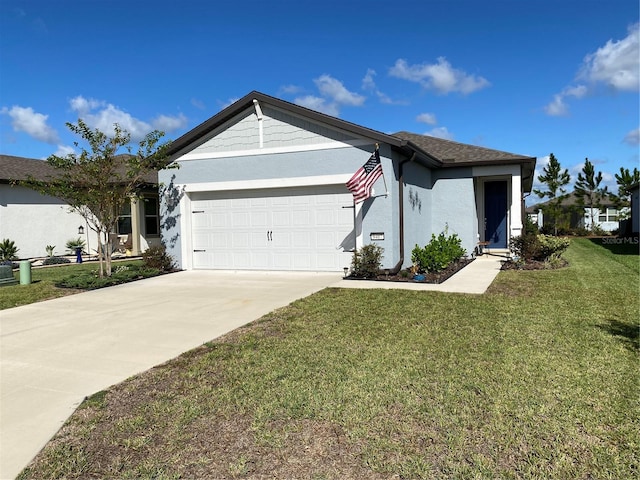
20,168
449,152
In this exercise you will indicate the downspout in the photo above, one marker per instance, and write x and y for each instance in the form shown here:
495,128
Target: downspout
398,265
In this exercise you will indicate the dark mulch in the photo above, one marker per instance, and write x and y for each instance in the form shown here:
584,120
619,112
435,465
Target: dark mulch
438,277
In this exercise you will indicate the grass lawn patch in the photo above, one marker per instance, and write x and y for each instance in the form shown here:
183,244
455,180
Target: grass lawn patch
67,279
537,378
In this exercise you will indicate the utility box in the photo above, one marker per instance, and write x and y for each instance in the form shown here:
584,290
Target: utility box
25,272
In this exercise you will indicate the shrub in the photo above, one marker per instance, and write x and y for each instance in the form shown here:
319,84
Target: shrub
73,244
158,258
438,254
55,261
551,248
8,250
525,247
121,274
366,263
50,249
538,247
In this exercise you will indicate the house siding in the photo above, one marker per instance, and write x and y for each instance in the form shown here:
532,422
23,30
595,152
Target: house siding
240,171
278,129
25,214
417,208
453,206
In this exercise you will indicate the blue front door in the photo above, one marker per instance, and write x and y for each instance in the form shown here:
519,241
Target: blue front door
495,214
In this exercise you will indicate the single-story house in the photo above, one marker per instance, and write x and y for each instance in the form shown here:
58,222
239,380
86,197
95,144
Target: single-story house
33,220
574,215
261,186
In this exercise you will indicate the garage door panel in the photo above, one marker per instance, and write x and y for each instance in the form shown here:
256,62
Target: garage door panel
280,219
282,228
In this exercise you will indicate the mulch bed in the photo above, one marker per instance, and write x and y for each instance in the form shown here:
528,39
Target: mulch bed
438,277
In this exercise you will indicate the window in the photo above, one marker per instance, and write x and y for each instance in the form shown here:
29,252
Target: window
608,215
124,220
151,216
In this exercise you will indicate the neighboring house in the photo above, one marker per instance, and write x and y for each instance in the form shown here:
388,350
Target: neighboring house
33,220
574,215
635,209
261,186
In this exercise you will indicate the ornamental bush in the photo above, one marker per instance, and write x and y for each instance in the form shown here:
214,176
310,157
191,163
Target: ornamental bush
526,247
367,262
55,261
8,250
540,247
551,248
438,254
157,257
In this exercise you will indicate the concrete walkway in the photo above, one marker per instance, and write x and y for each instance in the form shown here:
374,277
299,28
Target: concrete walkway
55,353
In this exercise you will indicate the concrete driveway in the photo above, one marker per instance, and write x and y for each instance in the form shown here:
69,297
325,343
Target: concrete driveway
55,353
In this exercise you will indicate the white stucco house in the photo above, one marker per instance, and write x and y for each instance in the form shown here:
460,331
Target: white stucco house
607,217
33,220
261,186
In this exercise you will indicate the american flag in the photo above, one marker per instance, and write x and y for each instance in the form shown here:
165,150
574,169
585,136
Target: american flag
362,181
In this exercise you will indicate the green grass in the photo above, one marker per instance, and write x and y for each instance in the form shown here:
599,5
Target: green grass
538,378
44,280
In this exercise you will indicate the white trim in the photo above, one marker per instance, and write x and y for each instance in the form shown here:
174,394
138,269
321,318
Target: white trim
273,150
259,115
267,183
186,233
358,225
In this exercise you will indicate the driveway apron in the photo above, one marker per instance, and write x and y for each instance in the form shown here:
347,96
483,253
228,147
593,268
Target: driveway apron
55,353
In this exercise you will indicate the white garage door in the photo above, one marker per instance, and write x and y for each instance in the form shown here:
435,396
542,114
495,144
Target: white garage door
305,228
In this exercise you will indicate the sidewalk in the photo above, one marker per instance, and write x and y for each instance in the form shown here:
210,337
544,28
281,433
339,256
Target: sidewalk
475,278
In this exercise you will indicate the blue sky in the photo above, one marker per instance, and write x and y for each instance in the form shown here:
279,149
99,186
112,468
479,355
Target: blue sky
529,77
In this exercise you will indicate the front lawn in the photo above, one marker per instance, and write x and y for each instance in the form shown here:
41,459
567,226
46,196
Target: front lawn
538,378
44,280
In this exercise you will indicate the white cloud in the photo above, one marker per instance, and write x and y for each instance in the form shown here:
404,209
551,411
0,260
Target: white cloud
633,137
334,89
367,82
428,118
615,65
318,104
169,124
369,85
440,132
102,115
440,76
290,89
558,107
82,105
334,95
64,150
24,119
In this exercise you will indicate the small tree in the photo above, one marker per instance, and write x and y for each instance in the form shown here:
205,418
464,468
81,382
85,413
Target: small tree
588,191
554,179
97,182
625,180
